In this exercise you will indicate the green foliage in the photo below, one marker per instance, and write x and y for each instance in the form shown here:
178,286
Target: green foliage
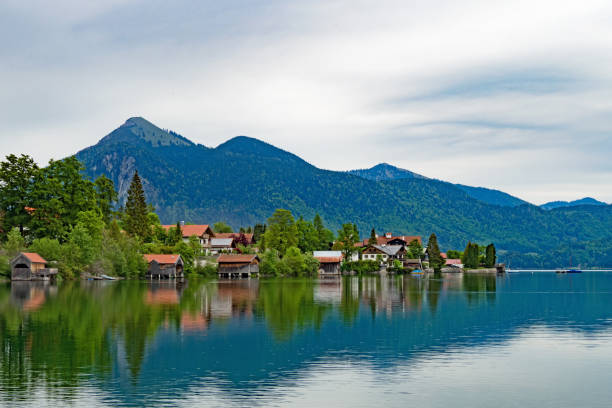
258,232
372,240
415,250
14,243
59,194
208,270
436,262
490,257
281,232
48,248
453,254
361,267
221,228
326,237
308,236
16,177
136,211
347,237
471,256
294,263
106,197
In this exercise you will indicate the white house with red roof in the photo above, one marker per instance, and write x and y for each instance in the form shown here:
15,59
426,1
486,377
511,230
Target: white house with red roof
202,231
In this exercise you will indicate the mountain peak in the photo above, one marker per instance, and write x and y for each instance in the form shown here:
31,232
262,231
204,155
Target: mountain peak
385,171
138,128
560,204
247,145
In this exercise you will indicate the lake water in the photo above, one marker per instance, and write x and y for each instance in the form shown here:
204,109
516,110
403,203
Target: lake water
519,340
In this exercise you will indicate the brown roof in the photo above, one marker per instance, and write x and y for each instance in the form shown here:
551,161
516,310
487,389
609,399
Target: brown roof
189,230
34,257
382,240
234,235
162,258
328,259
453,262
231,258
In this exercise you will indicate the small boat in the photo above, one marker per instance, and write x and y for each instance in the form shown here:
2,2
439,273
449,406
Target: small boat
570,270
106,277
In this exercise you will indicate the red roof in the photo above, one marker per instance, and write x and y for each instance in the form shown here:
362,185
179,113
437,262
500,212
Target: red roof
443,255
328,259
230,258
234,235
34,257
189,230
453,262
382,240
162,258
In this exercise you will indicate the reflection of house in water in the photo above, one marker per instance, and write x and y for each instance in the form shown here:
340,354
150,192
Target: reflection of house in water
30,296
329,290
234,298
164,292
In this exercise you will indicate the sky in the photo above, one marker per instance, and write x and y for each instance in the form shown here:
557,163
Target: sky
514,95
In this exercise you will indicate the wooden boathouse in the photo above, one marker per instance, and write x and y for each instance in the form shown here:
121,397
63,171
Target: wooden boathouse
164,266
238,266
30,266
329,262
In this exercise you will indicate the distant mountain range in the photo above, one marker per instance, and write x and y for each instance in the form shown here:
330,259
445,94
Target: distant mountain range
243,180
560,204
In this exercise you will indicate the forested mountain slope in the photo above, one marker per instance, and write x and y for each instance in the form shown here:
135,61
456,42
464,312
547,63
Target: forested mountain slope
244,180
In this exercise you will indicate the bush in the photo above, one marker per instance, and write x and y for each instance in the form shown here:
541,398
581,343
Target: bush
208,270
361,267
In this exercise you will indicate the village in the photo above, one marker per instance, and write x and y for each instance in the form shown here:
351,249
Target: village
236,255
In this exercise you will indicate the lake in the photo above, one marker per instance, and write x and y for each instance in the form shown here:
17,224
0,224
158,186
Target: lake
514,340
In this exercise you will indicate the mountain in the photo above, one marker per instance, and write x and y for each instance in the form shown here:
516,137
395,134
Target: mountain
243,181
560,204
490,196
385,171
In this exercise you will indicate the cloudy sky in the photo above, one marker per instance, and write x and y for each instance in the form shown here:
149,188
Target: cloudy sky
510,95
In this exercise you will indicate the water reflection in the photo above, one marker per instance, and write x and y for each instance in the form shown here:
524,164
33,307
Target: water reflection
128,340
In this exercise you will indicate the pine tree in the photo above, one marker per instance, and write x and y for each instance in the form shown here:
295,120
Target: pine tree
433,250
372,240
136,220
491,257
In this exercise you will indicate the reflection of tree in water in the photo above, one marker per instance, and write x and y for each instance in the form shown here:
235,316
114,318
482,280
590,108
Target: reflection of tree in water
434,289
72,333
349,303
479,287
288,305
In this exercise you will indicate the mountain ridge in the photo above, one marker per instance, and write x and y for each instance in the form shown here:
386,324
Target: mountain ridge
243,180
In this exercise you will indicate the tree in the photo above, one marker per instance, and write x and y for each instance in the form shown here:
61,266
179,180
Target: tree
14,243
372,241
470,258
222,228
16,180
490,257
258,231
136,211
348,235
59,194
415,249
308,238
106,197
326,237
435,258
281,233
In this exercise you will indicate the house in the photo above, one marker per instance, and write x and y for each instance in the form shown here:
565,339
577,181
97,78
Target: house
329,262
456,263
239,266
238,237
164,266
386,253
222,245
30,266
203,232
389,239
413,263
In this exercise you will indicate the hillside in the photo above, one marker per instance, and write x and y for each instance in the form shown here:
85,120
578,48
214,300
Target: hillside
560,204
385,171
244,180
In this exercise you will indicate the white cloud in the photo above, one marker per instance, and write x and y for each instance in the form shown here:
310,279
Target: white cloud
513,96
